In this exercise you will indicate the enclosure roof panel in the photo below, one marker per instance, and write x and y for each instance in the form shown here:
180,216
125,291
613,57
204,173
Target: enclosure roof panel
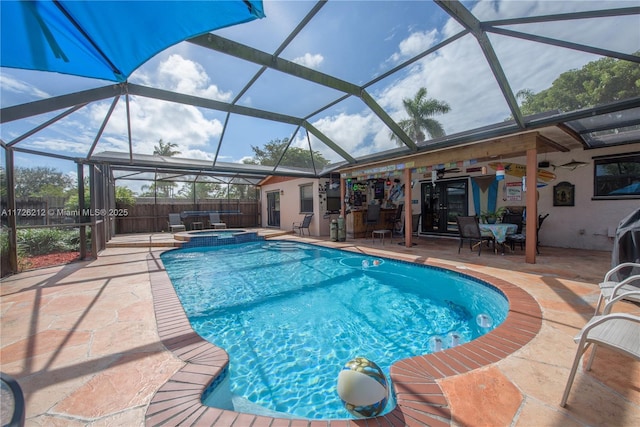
315,86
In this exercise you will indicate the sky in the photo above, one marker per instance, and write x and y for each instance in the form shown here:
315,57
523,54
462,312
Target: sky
356,41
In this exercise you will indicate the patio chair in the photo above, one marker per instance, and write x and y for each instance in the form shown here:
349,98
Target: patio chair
469,229
373,216
395,223
520,236
621,279
301,226
215,221
619,332
175,223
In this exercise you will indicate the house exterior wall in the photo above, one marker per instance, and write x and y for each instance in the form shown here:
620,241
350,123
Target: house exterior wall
589,224
289,190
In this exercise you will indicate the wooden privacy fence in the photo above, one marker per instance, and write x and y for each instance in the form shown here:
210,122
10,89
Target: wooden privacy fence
153,217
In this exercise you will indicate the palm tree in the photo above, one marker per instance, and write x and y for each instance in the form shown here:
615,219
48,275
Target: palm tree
165,149
419,124
163,188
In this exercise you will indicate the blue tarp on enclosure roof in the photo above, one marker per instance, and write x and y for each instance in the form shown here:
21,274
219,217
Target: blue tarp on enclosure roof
107,39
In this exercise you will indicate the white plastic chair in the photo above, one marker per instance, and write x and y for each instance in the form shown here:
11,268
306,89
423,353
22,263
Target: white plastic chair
616,282
619,332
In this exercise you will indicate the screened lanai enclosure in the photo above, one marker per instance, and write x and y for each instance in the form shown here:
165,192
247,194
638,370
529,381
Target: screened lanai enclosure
189,105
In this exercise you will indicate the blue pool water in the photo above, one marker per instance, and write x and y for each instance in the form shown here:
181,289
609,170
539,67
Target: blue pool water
290,315
219,233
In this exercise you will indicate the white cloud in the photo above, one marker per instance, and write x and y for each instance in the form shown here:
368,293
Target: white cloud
416,43
350,132
152,120
196,154
58,145
309,60
11,84
186,76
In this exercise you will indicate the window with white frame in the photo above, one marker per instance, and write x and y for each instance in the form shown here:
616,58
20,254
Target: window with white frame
306,198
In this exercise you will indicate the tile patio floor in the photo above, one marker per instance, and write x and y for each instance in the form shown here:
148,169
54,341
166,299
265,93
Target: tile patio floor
83,342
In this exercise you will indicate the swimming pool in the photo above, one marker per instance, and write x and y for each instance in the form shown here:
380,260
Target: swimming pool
290,315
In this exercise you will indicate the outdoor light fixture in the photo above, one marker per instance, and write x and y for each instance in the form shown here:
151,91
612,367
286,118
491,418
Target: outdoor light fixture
440,173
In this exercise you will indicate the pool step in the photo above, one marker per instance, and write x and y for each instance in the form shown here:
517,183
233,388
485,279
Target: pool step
282,246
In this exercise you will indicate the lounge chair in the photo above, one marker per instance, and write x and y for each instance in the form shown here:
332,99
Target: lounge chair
301,226
619,332
175,223
469,229
215,221
621,279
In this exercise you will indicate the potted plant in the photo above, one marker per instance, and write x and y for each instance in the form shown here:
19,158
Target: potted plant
490,217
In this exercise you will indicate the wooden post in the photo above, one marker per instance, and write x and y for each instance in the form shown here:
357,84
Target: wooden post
532,206
408,226
343,188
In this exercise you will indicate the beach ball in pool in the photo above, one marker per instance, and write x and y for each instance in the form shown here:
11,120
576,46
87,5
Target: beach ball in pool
363,388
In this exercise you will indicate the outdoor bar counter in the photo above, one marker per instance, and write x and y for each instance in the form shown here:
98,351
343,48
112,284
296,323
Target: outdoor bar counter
356,222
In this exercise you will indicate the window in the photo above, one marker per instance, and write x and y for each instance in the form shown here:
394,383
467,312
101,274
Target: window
333,196
617,176
306,198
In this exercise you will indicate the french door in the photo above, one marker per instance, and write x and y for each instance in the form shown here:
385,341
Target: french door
442,202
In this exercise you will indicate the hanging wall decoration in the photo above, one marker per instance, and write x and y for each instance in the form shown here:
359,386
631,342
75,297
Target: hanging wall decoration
564,194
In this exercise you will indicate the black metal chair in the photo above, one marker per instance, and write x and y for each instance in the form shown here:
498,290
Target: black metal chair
395,224
300,226
373,216
469,229
520,236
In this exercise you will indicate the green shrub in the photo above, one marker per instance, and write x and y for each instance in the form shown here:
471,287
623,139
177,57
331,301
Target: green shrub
40,241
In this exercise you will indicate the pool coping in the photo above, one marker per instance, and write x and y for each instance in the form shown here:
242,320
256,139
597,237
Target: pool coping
186,236
420,400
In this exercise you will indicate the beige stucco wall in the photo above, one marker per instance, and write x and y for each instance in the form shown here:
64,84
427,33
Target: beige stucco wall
290,205
589,224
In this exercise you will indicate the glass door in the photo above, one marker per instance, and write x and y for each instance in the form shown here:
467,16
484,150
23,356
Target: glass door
273,209
442,202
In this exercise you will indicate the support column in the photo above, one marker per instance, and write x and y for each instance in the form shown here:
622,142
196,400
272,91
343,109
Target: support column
11,207
343,188
408,226
532,206
83,229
